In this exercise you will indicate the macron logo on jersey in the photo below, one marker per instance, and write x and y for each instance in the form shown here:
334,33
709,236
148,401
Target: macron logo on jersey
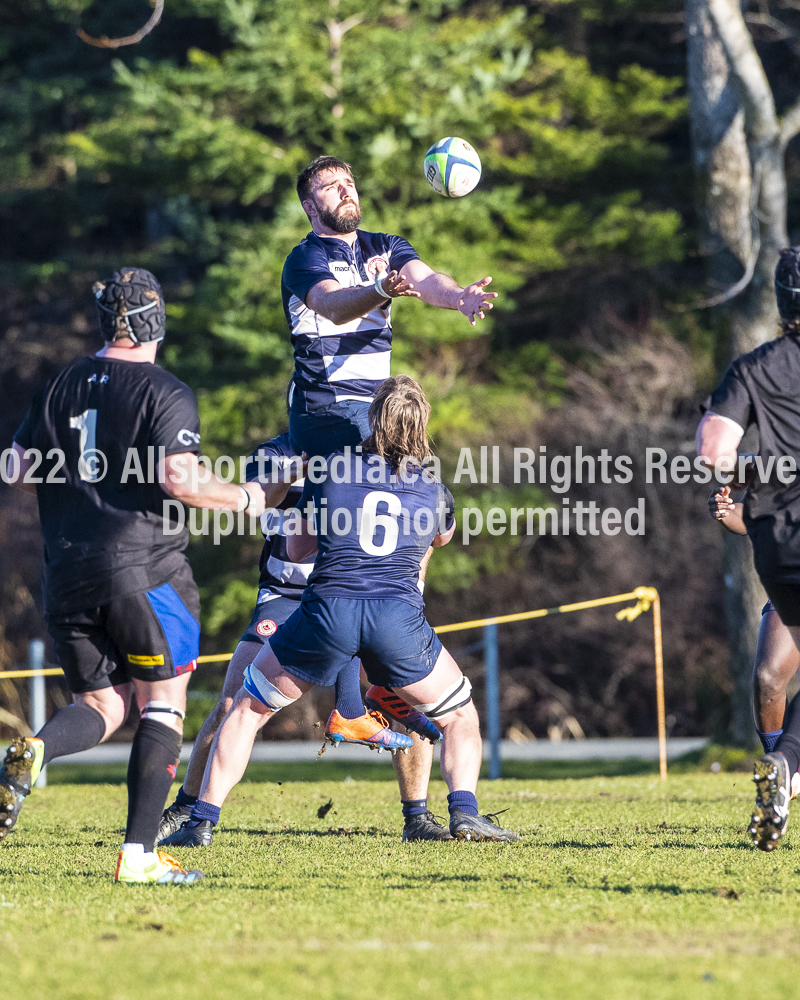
188,437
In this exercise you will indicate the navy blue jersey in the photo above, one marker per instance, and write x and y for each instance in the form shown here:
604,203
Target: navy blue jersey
348,361
374,528
278,574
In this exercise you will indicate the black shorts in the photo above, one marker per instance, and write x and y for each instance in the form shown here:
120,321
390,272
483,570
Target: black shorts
785,598
150,636
270,611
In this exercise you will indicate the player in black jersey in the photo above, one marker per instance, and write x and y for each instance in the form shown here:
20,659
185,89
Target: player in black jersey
763,388
103,446
281,586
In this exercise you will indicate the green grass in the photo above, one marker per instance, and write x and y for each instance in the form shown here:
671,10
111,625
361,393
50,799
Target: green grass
622,888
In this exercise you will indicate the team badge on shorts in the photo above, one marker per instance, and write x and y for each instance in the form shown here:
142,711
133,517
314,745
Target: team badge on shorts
266,628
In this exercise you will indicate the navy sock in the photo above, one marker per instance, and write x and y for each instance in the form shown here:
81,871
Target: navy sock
414,807
182,799
768,740
348,692
204,810
465,801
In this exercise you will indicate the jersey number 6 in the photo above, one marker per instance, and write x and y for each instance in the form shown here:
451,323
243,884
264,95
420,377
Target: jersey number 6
371,520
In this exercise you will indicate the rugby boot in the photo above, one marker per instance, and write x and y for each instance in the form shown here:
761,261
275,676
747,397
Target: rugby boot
393,707
159,868
773,791
370,730
425,827
172,819
198,834
21,767
463,826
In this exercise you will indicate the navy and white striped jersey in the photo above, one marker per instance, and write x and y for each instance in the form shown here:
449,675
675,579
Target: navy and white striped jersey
279,576
349,361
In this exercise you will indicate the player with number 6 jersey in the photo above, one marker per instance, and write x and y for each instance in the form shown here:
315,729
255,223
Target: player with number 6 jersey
374,519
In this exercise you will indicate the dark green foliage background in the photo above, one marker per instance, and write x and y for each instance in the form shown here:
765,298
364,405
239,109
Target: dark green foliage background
179,154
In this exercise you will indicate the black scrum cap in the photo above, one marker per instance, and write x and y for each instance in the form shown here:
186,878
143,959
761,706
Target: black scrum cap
131,304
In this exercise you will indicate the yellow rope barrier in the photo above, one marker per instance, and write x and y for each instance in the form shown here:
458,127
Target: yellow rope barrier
644,597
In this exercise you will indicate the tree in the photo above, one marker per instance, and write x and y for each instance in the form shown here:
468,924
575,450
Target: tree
739,143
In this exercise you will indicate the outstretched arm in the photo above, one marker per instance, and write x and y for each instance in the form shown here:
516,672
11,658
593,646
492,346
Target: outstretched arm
437,289
343,305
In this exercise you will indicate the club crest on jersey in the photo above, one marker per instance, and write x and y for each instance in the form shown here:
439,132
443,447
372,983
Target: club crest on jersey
376,266
266,628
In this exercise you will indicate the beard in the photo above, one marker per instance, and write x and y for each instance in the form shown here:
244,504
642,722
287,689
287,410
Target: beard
346,218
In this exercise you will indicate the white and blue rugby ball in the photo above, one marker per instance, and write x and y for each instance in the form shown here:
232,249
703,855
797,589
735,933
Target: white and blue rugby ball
452,167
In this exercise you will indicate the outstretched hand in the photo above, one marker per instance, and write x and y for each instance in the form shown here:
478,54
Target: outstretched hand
474,300
396,286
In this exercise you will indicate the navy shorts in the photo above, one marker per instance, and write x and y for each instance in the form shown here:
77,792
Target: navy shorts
271,610
392,639
785,597
330,429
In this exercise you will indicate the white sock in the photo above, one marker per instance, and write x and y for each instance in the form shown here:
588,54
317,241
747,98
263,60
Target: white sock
133,848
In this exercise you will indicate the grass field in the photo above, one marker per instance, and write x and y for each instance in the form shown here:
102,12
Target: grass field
622,888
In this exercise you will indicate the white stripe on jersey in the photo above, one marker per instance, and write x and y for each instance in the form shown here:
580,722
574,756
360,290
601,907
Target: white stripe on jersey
373,367
306,323
289,572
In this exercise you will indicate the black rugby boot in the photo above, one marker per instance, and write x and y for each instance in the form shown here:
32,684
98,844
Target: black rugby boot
773,791
463,826
425,827
172,819
18,774
192,835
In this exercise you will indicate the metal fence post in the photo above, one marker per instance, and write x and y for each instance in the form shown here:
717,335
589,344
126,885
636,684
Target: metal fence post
491,659
37,695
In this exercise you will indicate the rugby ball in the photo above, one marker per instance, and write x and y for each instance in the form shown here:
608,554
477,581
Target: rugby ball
452,167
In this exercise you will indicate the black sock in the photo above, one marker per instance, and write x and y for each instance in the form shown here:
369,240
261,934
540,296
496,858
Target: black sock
789,741
151,770
72,729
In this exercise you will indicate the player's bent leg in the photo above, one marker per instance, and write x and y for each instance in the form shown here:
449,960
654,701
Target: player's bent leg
179,812
444,695
773,773
777,661
385,701
266,690
92,718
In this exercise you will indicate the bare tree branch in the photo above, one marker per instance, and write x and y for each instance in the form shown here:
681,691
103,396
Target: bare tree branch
747,68
115,43
790,123
768,21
